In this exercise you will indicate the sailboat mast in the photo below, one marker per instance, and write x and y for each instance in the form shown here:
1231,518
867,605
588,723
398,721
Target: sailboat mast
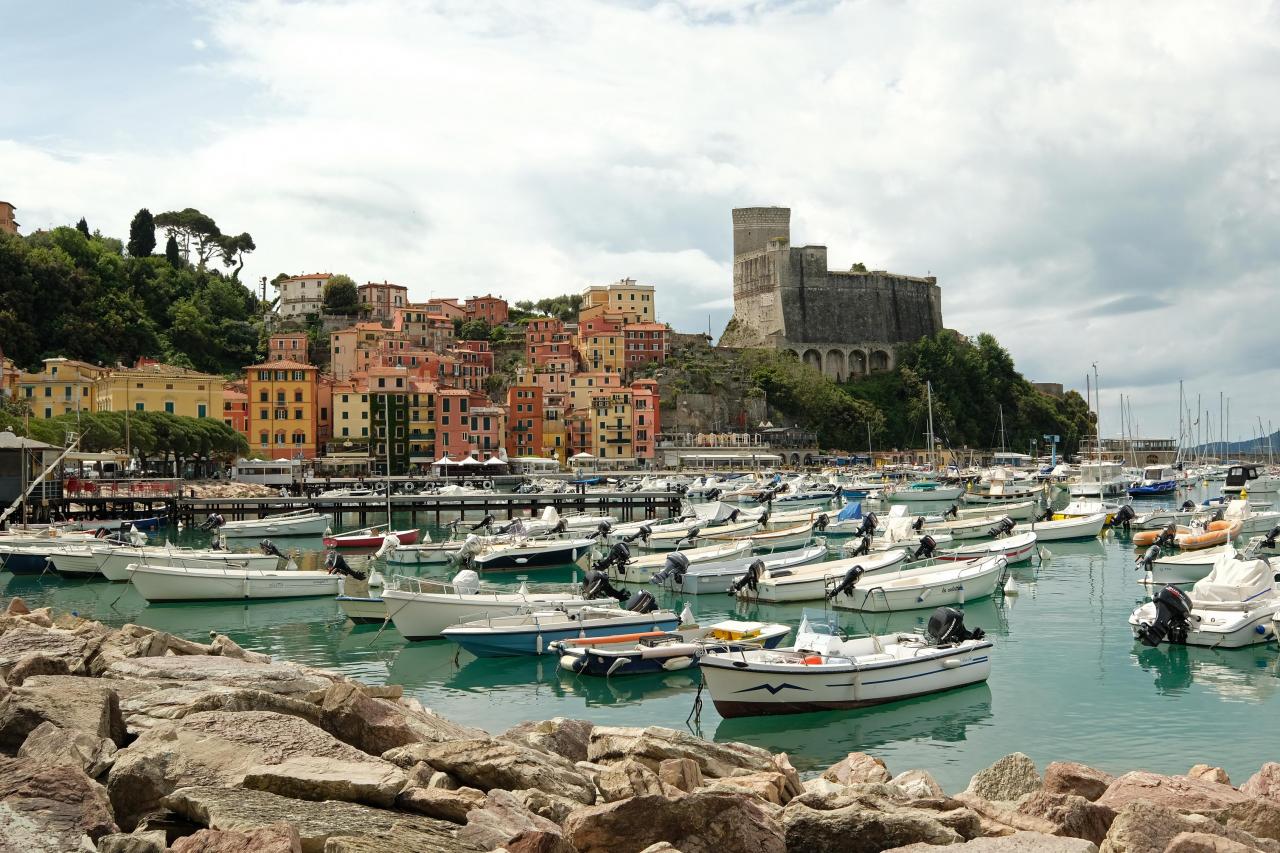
929,390
386,421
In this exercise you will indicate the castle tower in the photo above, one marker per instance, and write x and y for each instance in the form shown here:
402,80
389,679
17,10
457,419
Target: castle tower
754,227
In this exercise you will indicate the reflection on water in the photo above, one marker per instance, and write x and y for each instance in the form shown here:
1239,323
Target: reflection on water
1235,675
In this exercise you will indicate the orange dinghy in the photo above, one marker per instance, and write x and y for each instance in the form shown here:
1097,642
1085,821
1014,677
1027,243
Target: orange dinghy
1214,533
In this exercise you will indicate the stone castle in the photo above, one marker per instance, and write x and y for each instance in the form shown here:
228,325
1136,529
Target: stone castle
843,323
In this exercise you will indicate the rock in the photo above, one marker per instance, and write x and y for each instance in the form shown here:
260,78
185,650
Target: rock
440,802
683,774
376,782
865,823
1178,792
37,664
653,745
792,786
50,807
701,822
857,768
558,736
77,704
215,748
229,648
1002,814
1264,783
1206,773
550,806
377,725
660,847
485,763
1007,779
1070,777
318,824
818,785
1203,842
17,607
918,784
51,744
178,670
502,819
277,838
32,640
136,842
771,786
1259,817
629,778
1073,815
1142,827
143,710
1018,842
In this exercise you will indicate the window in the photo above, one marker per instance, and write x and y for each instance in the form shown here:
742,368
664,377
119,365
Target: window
263,414
297,414
297,396
48,390
201,411
48,412
168,406
279,397
139,407
262,437
282,375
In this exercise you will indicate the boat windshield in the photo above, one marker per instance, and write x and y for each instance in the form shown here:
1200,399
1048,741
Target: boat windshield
814,621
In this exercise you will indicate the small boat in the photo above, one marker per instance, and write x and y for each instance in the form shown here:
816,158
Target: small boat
664,651
421,609
775,540
922,491
303,522
1084,527
1157,480
1082,508
222,582
1235,605
24,559
919,588
717,577
810,582
1252,520
695,535
370,537
426,553
145,525
1014,548
1099,479
1184,567
1159,519
521,553
824,671
1253,479
641,569
1191,537
533,633
363,610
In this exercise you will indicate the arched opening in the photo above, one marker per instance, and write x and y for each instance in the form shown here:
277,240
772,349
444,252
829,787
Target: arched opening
812,358
879,361
795,458
835,365
857,363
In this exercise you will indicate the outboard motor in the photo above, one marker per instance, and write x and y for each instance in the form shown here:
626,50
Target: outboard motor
676,566
512,527
487,521
953,512
642,602
820,523
918,524
266,546
1188,506
863,548
1173,607
868,526
617,558
714,494
213,522
603,528
1047,515
1150,556
763,520
1123,517
927,546
733,516
561,527
1218,516
466,582
1269,541
336,565
1003,527
847,583
750,580
642,534
1167,537
595,584
691,537
946,626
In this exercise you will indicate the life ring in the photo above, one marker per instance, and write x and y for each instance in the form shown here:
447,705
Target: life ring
487,484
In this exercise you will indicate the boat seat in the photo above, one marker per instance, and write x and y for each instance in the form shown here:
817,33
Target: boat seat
875,658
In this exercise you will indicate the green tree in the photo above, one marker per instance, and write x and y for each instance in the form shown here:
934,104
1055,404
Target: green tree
142,234
474,330
83,227
172,253
233,250
195,230
341,296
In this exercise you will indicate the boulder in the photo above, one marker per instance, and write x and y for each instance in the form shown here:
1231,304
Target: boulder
818,785
918,784
37,664
30,641
503,819
1007,779
77,704
1259,817
857,768
701,822
318,824
177,670
154,841
17,607
1207,773
1072,815
868,822
1264,783
1018,842
554,808
442,803
131,641
50,807
306,777
229,648
654,744
660,847
1143,827
1070,777
1203,842
215,748
1177,792
147,707
558,736
792,786
629,778
51,744
683,774
771,786
486,763
276,838
376,725
1004,813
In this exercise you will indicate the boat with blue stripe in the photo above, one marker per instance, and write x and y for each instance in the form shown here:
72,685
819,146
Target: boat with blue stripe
533,633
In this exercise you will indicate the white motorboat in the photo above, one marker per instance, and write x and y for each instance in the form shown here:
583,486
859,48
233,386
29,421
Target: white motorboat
1158,519
1250,479
421,609
222,582
641,569
921,491
303,522
1183,567
112,561
1004,490
919,588
635,654
1235,605
363,610
1082,527
717,577
426,553
969,527
1015,548
533,633
1018,510
810,582
521,554
1082,508
824,671
1100,480
774,540
696,535
1251,522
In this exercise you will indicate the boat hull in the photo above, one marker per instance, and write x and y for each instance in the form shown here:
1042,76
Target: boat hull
307,526
24,564
363,611
635,661
77,563
1245,629
530,558
902,593
710,579
172,583
115,566
406,537
425,615
536,639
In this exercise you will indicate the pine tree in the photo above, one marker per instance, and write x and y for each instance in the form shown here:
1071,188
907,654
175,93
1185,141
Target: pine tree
172,254
142,234
83,227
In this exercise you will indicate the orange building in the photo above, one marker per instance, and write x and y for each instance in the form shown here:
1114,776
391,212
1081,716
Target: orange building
645,417
235,408
525,420
288,346
282,409
489,308
453,422
474,364
8,224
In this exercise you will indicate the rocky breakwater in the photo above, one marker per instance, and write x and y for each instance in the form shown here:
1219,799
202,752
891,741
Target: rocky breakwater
131,740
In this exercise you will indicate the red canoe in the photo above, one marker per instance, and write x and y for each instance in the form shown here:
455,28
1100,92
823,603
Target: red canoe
370,537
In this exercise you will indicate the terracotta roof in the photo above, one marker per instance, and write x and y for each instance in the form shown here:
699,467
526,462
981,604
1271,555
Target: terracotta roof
284,363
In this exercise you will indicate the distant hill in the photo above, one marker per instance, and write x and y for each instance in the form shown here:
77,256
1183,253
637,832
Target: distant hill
1252,445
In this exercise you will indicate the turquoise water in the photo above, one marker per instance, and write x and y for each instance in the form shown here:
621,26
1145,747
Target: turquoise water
1067,682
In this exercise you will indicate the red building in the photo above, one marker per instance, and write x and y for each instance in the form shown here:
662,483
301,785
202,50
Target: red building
546,340
235,408
473,364
644,343
645,417
453,422
288,346
489,308
524,420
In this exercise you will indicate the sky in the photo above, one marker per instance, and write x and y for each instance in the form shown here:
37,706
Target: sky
1091,182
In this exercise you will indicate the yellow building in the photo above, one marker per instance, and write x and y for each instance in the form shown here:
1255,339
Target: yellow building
584,387
282,409
555,433
612,425
633,301
422,422
152,387
62,387
350,413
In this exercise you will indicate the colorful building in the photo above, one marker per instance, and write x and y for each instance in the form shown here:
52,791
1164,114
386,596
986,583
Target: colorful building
288,346
644,343
526,419
474,364
350,415
389,392
235,408
422,422
646,418
633,302
583,387
424,330
488,428
61,387
282,409
379,302
301,295
600,343
153,387
453,422
8,224
546,341
491,309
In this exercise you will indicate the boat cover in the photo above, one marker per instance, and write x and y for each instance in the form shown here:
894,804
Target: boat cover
1233,579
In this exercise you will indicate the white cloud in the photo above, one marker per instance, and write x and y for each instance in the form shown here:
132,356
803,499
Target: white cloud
1089,181
198,44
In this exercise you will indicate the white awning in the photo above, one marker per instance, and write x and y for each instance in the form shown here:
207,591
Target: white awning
493,460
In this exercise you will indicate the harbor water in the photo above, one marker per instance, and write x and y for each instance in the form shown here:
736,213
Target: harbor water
1068,682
